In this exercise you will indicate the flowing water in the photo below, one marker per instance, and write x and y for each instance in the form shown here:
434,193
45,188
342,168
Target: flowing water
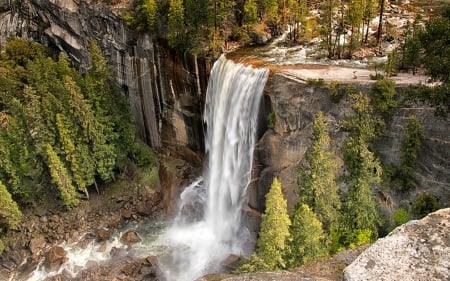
208,227
232,103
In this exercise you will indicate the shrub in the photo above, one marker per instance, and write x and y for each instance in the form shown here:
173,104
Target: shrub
271,120
143,154
383,92
426,203
400,216
315,82
338,90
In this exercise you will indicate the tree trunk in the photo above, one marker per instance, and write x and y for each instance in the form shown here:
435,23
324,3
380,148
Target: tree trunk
380,24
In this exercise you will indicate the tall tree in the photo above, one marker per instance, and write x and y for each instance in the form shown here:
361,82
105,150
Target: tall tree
317,182
176,27
381,4
307,241
61,178
273,233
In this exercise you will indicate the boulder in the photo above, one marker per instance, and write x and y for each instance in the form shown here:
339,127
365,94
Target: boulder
54,258
36,245
102,235
130,237
417,250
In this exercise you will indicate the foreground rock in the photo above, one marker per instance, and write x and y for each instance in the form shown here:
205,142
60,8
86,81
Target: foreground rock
418,250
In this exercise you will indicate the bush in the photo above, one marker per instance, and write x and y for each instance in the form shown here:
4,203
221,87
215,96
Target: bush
271,120
2,246
426,203
383,92
400,216
338,90
143,154
316,82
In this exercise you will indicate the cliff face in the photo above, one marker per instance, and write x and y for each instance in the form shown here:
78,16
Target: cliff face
282,149
163,88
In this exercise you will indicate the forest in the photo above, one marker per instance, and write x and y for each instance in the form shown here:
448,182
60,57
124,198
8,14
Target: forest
60,131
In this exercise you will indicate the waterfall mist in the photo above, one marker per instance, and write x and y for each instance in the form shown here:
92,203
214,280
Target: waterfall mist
208,227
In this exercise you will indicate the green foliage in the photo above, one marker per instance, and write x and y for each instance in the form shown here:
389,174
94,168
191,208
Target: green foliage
2,246
360,237
436,42
176,29
308,240
426,203
400,216
271,118
144,16
317,182
320,82
409,148
339,90
274,231
364,123
383,93
10,214
143,154
83,118
61,178
391,66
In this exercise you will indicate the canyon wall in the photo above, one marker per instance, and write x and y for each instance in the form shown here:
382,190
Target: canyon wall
165,89
281,150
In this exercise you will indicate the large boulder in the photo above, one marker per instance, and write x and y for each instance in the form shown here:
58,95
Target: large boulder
418,250
55,258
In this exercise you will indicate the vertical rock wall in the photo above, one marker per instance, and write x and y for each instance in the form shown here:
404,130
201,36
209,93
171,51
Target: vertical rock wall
165,89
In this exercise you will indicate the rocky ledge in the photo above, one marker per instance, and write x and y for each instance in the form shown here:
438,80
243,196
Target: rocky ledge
418,250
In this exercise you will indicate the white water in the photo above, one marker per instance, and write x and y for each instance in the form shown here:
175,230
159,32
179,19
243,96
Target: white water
207,229
232,103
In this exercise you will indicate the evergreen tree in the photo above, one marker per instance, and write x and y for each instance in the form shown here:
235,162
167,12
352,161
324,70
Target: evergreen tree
273,233
359,209
10,214
61,178
317,183
176,28
410,146
307,241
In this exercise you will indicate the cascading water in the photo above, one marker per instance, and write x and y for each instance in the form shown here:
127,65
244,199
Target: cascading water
208,227
232,103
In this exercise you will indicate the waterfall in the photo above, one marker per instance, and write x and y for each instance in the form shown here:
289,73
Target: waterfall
201,241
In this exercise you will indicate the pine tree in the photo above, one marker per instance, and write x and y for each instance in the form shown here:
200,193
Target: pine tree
307,241
317,182
359,209
9,211
409,148
176,28
273,233
61,178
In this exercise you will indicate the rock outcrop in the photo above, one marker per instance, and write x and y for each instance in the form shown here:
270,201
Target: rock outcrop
165,89
281,150
416,251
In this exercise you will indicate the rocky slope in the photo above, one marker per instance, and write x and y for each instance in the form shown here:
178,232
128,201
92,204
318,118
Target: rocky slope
417,250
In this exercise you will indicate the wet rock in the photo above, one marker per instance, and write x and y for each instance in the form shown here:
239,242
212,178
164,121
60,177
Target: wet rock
417,250
102,235
231,262
127,214
130,237
55,258
36,245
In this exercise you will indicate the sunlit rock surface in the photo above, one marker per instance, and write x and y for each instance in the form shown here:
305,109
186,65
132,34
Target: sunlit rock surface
418,250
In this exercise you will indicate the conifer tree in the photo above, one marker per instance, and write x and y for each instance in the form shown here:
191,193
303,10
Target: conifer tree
176,28
274,230
317,182
61,178
307,241
273,233
9,211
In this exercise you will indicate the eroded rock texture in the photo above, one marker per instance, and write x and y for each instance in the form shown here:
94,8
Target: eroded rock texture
164,88
416,251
